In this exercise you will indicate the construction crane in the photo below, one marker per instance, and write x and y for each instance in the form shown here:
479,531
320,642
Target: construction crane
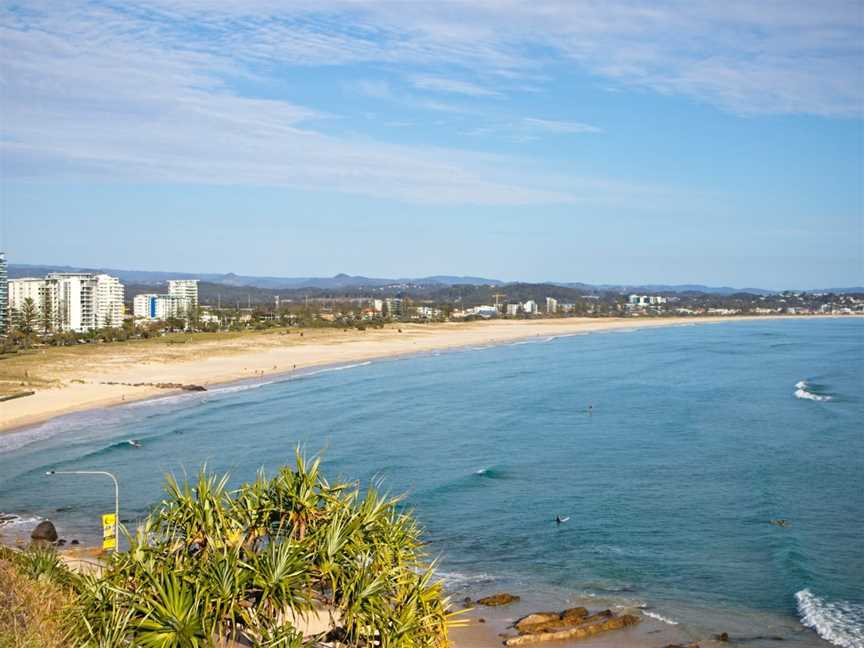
497,296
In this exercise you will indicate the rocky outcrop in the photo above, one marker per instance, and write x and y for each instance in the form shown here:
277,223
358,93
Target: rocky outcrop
44,531
552,621
495,600
579,628
160,385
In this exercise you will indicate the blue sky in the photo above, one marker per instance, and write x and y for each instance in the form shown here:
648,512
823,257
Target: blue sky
632,142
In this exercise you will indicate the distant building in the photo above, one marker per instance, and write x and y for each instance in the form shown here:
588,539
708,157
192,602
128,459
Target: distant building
70,301
566,307
151,306
484,311
378,305
4,295
551,305
428,312
394,306
530,307
86,301
40,291
644,301
184,289
513,309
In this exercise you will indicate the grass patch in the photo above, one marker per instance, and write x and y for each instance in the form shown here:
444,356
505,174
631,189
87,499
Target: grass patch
34,610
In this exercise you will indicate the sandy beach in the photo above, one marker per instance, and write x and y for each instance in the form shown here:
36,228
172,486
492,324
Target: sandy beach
67,380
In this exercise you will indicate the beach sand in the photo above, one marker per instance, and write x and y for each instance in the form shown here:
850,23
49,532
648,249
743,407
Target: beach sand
68,380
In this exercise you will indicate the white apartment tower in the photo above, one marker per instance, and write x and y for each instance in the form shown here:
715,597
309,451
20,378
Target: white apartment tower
551,305
185,289
87,301
151,306
41,292
4,295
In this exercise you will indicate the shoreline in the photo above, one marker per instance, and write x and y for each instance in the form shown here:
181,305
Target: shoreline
84,389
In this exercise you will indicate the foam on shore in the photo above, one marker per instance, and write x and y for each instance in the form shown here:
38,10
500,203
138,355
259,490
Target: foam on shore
839,622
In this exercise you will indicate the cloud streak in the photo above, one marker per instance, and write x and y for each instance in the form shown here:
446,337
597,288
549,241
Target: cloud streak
148,91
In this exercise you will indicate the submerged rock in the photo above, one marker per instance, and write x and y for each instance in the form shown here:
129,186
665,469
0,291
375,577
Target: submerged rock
502,598
44,531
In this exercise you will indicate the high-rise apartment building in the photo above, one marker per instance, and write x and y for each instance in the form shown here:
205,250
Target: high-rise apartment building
184,288
151,306
4,295
73,301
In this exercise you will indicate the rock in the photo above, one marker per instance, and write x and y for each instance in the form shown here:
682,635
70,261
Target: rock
574,613
526,623
502,598
580,631
723,636
75,542
194,388
559,621
61,542
44,531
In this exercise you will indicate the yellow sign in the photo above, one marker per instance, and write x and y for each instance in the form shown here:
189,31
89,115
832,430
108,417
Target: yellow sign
109,526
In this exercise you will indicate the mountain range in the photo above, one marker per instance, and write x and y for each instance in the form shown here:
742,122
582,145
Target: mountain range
345,281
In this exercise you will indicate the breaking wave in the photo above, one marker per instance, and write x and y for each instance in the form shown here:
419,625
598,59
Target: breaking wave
841,623
803,390
659,617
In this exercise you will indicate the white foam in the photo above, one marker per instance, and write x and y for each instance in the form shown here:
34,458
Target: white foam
339,368
457,580
18,439
659,617
801,391
841,622
241,388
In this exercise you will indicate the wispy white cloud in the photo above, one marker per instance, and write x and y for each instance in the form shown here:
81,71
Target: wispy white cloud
145,91
104,96
452,86
744,56
554,126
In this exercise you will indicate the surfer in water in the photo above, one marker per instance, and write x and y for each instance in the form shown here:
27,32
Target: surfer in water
133,443
779,523
561,520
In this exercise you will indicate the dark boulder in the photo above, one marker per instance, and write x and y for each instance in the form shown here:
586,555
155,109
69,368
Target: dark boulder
498,599
44,531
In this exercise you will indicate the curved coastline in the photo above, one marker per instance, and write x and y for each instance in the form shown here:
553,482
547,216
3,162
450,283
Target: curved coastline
652,628
222,368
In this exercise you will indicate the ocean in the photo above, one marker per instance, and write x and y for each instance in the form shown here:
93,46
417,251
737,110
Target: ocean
670,449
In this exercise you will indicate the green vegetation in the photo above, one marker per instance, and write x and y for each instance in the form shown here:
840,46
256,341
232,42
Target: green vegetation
254,565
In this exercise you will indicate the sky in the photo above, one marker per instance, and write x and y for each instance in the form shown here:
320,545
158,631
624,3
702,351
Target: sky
565,140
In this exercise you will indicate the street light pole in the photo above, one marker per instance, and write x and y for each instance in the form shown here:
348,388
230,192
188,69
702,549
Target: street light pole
116,493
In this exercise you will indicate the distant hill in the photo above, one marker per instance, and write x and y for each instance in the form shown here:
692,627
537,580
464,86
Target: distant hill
676,288
352,282
147,277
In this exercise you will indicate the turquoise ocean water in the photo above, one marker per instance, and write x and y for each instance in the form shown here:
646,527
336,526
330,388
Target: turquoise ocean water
697,437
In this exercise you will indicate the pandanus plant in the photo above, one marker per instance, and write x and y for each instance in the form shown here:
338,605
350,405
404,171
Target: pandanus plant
211,564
